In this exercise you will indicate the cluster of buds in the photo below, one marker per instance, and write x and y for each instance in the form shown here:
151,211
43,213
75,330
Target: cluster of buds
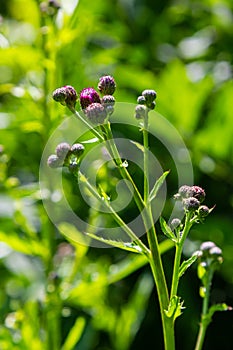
192,198
210,255
95,107
66,95
145,101
66,156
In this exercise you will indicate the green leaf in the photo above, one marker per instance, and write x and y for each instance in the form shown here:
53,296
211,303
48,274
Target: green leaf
167,230
26,246
94,140
158,185
201,271
206,319
138,145
118,244
186,264
175,307
75,334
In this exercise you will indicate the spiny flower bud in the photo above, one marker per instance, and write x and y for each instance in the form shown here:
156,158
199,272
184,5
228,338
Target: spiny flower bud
54,162
175,223
198,192
150,96
108,101
210,255
62,150
191,204
141,100
203,211
96,113
89,96
185,191
66,95
107,85
77,149
140,112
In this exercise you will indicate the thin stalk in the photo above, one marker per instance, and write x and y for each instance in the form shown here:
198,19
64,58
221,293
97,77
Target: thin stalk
116,217
146,158
178,254
205,307
155,260
87,124
122,169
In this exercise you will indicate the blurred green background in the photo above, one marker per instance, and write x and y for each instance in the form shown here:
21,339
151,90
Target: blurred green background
54,293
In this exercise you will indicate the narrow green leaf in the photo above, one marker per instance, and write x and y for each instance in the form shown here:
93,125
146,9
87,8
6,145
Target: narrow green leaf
186,264
167,230
75,334
95,139
118,244
138,145
219,307
158,185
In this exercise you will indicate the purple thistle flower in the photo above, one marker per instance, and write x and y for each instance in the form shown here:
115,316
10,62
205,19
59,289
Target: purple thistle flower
89,96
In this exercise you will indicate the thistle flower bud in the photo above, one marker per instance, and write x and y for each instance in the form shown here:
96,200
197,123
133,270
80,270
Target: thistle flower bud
175,223
141,100
140,111
185,191
96,113
89,96
54,162
77,149
198,192
191,204
62,150
107,85
66,95
203,211
108,101
210,255
150,95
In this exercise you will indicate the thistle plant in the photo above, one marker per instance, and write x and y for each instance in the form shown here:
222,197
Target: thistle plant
97,108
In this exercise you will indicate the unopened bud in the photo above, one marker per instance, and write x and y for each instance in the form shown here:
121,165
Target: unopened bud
66,95
62,150
77,149
96,113
107,85
140,111
54,162
191,204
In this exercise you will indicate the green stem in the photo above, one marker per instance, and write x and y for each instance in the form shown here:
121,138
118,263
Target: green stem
122,169
146,154
205,307
159,278
178,254
116,217
155,259
87,124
